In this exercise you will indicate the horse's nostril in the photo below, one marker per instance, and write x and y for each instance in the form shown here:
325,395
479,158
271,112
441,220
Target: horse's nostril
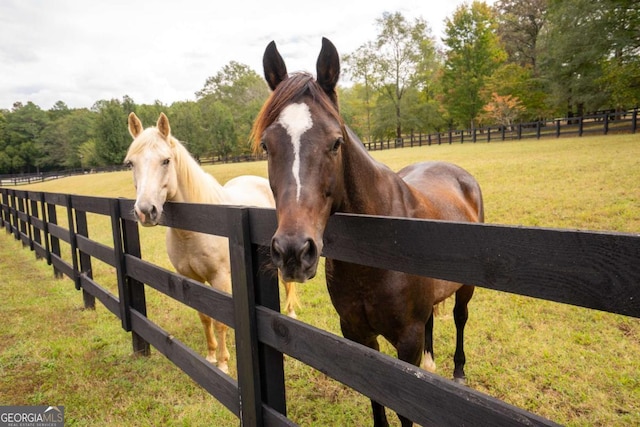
293,252
308,253
153,213
276,252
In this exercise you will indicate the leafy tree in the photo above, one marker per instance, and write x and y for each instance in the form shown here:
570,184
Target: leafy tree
24,127
110,129
473,54
148,114
400,51
621,68
77,128
242,91
220,128
520,23
187,126
589,48
59,109
360,66
88,154
3,126
519,82
356,108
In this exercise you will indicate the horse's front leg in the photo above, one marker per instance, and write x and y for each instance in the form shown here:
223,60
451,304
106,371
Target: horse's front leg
410,347
212,344
460,316
221,282
429,359
379,414
223,352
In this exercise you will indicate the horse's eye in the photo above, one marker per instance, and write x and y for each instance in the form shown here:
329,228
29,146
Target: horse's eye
128,164
165,162
263,147
337,144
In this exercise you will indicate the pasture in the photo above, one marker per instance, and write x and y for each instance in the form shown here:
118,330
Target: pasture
575,366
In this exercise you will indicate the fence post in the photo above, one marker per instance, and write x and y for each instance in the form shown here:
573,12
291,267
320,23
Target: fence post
580,129
37,235
2,204
130,292
538,129
134,288
123,295
24,225
85,259
14,215
52,218
558,128
519,131
634,120
73,242
260,368
45,228
606,123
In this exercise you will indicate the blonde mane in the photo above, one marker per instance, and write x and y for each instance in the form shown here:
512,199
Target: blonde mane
197,185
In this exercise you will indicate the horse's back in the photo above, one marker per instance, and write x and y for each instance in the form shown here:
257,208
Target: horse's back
249,190
453,191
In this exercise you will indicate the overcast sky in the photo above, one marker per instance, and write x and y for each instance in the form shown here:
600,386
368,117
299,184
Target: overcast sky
80,51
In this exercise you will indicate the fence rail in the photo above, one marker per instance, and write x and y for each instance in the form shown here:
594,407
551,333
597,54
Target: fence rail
594,270
598,123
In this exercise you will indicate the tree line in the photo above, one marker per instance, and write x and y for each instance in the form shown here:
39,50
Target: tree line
518,60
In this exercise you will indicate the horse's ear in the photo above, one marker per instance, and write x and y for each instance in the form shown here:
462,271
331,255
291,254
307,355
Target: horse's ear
275,71
163,125
135,125
328,68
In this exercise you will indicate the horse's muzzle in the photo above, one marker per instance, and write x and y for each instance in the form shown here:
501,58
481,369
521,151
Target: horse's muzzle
296,257
147,215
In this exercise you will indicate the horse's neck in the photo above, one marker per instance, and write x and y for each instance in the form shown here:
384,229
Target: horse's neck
371,187
194,184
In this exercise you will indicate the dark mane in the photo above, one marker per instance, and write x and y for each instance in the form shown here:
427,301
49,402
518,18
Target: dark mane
290,90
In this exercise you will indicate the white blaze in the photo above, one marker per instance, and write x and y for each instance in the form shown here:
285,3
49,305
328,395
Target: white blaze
296,120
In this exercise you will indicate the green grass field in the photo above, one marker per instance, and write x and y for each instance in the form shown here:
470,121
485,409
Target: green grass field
575,366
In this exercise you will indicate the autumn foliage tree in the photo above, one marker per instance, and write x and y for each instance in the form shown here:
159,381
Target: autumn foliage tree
503,110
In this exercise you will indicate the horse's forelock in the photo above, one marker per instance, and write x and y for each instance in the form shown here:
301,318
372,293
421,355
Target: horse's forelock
290,90
148,139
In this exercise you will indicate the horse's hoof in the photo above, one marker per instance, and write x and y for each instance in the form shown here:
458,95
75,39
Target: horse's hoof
212,359
292,314
224,367
461,381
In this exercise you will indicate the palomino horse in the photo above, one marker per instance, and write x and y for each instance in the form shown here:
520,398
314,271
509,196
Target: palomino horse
317,166
163,170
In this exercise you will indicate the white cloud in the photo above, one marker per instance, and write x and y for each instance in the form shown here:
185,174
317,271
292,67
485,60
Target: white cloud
81,52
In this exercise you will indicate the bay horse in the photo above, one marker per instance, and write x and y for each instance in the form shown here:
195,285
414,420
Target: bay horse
163,170
318,166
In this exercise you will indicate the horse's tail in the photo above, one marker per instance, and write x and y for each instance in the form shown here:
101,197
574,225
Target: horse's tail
292,301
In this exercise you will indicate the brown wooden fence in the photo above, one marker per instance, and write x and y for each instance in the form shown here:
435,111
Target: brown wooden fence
595,270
